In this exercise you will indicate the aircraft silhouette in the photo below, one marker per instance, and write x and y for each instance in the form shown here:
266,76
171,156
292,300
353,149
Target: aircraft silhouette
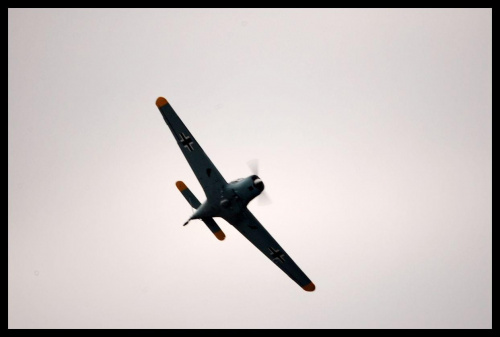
227,200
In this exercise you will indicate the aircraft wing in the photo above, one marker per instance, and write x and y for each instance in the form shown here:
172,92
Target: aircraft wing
250,227
206,172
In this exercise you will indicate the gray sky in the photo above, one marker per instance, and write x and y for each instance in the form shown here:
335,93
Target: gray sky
374,134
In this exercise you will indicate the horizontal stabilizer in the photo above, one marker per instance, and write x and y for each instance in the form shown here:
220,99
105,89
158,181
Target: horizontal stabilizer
193,201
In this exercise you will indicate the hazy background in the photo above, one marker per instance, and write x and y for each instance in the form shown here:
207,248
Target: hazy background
374,134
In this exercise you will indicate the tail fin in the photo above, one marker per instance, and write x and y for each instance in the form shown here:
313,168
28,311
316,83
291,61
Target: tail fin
193,201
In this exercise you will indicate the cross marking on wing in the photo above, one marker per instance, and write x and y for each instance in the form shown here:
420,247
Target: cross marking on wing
276,254
186,141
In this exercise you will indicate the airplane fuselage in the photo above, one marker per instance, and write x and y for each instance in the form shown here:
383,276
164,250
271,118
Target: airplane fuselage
234,198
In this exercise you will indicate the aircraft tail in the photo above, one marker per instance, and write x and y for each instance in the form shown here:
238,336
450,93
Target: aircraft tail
193,201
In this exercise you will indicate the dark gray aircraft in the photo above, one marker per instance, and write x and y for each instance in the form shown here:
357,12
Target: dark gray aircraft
227,200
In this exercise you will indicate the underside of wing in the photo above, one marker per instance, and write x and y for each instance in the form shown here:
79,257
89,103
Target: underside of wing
205,171
250,227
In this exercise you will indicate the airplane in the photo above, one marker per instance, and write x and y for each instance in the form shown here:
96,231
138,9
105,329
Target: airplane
227,200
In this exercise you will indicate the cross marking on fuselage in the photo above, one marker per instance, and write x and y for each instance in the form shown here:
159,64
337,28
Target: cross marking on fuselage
276,254
186,141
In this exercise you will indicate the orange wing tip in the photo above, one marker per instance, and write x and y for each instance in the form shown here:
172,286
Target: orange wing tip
309,287
220,235
181,186
161,102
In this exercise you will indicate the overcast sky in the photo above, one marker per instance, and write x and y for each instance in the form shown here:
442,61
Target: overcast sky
374,133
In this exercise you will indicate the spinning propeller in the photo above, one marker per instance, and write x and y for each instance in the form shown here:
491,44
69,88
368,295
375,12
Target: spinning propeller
263,198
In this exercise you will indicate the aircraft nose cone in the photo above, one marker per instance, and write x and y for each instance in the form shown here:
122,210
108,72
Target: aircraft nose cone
259,184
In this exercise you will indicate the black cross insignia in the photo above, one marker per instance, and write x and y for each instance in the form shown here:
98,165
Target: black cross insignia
186,141
276,254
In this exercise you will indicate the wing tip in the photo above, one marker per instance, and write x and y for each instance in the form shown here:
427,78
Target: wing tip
161,101
220,235
309,287
181,186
